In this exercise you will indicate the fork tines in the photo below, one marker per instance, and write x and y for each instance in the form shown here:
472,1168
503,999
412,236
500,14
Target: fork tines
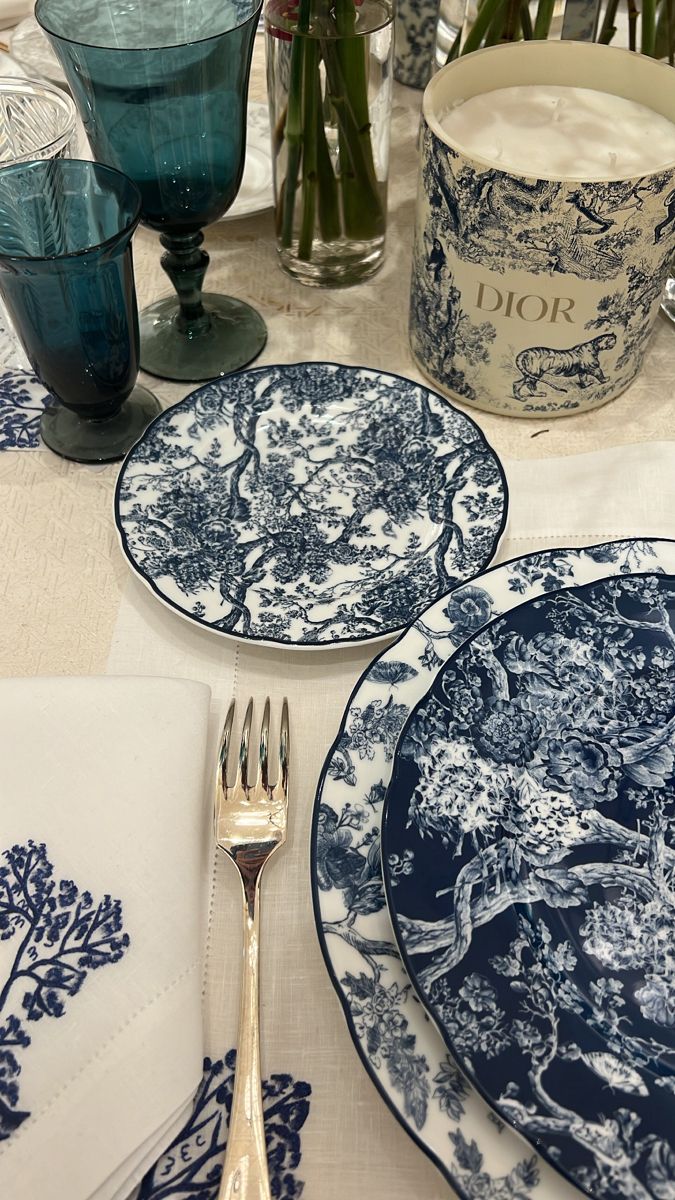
244,785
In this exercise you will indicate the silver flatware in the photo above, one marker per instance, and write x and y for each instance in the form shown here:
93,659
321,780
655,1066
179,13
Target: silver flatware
250,822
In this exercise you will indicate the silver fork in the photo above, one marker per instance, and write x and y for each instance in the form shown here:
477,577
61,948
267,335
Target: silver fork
250,821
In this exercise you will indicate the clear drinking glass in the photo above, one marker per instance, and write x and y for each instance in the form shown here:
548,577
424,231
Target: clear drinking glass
329,74
36,121
161,87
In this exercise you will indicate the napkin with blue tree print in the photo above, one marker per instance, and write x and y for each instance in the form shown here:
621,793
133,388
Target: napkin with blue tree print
104,862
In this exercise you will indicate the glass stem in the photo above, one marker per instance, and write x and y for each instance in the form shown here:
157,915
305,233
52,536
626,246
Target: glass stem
185,264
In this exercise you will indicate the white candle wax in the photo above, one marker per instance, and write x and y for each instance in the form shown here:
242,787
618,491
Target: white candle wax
561,132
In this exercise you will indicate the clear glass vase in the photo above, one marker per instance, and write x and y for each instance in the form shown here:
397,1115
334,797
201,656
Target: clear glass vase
329,74
451,17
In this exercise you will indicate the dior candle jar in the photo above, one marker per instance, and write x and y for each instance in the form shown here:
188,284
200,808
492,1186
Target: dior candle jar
545,224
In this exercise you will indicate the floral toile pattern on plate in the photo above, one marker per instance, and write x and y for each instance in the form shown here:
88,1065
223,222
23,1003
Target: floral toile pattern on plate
398,1045
309,504
529,859
22,402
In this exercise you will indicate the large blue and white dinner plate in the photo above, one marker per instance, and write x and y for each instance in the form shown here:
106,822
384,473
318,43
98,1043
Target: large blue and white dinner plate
528,853
309,504
400,1048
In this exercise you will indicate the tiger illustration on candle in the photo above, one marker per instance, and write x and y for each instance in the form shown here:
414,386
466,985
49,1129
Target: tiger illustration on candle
579,365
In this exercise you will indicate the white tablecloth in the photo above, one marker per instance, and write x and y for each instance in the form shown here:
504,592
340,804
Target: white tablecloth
69,606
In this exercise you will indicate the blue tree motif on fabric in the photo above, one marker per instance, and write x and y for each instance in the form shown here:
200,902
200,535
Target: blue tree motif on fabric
191,1168
61,934
22,403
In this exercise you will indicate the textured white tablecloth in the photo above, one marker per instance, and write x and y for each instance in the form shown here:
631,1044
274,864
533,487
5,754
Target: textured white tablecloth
70,607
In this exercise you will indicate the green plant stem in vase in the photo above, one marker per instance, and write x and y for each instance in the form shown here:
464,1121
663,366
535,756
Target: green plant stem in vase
329,87
650,24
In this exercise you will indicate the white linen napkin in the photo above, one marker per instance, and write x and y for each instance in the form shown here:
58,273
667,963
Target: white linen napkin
104,861
620,492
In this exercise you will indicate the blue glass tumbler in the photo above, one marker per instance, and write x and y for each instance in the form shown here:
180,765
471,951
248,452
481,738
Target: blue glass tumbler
66,277
161,87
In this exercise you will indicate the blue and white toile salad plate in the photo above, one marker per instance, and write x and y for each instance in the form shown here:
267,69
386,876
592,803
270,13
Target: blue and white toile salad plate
528,853
399,1046
23,400
311,504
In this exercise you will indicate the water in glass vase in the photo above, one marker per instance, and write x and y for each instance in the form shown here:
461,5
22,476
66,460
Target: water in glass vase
329,87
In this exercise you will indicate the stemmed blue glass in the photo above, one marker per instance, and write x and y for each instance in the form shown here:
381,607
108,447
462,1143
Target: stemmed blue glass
161,86
66,277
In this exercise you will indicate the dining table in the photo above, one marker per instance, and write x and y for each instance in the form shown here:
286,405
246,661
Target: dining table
70,606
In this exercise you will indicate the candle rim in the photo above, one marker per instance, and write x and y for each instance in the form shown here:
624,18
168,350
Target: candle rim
430,109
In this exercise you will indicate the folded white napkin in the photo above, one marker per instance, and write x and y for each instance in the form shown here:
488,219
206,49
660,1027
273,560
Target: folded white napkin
104,863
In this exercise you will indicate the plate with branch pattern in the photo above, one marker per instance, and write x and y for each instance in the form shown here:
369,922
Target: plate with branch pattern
309,504
400,1047
528,851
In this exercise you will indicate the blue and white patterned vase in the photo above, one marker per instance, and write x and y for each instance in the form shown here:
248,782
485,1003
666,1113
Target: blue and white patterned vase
415,41
536,296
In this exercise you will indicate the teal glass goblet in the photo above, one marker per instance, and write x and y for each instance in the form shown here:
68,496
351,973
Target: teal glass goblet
161,87
66,277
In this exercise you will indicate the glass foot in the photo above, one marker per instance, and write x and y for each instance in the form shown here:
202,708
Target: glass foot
101,441
234,336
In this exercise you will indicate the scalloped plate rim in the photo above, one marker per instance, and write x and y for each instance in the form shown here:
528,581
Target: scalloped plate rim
283,643
535,1141
384,1092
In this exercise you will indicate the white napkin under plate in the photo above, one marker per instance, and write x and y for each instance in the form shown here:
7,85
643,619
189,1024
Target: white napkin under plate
104,860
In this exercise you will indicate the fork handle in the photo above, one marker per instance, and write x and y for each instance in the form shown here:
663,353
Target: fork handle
245,1171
